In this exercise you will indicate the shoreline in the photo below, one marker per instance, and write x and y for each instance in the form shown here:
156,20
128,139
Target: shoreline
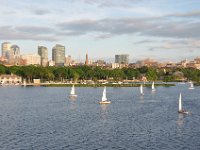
102,85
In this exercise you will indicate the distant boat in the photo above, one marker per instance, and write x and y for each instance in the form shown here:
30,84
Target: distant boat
180,110
104,98
153,87
72,92
191,86
141,90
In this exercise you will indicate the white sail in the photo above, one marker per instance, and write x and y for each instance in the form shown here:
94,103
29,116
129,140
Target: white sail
72,90
180,104
153,87
191,85
141,89
104,95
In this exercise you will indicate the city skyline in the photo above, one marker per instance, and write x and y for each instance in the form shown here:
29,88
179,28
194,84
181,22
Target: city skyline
162,30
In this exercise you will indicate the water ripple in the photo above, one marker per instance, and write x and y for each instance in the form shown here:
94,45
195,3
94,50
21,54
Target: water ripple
31,119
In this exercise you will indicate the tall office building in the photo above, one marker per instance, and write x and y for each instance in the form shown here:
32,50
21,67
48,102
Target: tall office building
15,55
43,52
6,47
86,60
58,55
122,59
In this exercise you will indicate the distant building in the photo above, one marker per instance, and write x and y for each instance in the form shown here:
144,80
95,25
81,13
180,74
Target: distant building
132,65
22,62
6,49
197,60
43,52
147,62
58,55
115,65
193,64
86,60
10,79
182,63
15,55
51,63
122,59
32,59
100,63
68,60
90,62
11,53
77,63
3,60
170,65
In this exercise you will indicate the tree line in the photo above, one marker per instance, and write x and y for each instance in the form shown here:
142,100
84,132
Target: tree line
97,73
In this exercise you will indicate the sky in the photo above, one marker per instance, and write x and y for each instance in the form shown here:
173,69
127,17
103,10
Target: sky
164,30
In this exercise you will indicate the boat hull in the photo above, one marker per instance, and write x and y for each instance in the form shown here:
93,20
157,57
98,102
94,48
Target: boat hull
105,102
72,96
183,112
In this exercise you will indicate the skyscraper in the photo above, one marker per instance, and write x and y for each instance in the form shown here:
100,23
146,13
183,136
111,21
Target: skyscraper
43,52
5,47
15,54
122,59
58,55
86,60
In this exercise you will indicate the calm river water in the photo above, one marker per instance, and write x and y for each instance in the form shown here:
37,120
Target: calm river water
45,118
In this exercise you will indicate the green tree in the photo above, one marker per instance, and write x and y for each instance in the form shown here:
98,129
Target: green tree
2,69
151,74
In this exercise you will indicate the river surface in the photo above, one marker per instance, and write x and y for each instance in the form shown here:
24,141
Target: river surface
45,118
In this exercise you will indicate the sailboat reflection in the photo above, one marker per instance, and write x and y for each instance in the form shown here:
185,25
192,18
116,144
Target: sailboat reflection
180,120
104,113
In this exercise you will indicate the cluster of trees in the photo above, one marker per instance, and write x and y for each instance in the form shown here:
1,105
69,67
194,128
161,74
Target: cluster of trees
96,73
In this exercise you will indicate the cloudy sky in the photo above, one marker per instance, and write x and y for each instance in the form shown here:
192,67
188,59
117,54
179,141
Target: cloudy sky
158,29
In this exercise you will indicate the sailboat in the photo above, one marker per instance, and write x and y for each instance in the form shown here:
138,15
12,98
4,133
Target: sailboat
141,90
180,110
72,92
191,86
153,87
104,98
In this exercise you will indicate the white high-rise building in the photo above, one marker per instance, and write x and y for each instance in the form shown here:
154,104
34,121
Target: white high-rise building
43,52
6,49
58,55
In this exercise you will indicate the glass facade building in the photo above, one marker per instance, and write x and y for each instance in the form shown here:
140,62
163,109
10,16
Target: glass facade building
58,55
122,59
